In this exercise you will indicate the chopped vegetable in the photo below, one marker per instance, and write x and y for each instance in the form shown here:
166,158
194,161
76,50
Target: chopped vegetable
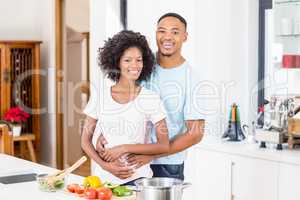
104,193
110,185
59,184
90,193
45,185
71,187
92,181
122,191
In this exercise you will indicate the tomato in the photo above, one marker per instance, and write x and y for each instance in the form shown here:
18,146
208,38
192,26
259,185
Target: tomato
79,190
90,193
71,187
104,193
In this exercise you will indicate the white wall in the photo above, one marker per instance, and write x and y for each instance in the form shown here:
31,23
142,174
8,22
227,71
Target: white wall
143,16
78,14
34,20
222,47
104,23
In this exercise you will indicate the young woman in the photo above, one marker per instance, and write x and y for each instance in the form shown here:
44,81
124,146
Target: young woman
122,113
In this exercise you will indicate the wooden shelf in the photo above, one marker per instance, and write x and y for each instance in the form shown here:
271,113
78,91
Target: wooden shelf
289,36
288,2
289,69
17,86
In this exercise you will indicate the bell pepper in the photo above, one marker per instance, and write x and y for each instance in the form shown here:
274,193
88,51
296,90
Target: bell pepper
92,182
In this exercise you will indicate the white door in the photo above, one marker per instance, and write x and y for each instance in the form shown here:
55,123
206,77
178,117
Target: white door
74,99
208,171
254,179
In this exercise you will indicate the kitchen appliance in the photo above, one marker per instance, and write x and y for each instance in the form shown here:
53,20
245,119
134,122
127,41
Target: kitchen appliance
234,132
275,126
160,188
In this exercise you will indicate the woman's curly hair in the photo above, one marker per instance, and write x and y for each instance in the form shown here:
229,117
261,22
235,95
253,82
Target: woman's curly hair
113,49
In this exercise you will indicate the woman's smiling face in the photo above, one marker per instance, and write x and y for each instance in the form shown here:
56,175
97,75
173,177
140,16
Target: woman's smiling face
131,64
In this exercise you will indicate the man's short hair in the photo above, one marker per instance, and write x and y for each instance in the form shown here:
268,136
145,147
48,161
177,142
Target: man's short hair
173,15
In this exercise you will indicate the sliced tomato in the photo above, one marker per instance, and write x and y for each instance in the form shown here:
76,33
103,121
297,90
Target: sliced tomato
104,193
90,193
79,189
71,187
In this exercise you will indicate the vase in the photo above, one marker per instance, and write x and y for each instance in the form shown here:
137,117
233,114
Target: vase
16,129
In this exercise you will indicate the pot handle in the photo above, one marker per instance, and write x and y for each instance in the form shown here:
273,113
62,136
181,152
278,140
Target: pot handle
134,188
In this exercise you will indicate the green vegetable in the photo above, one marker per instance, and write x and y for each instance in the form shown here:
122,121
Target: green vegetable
110,185
122,191
59,184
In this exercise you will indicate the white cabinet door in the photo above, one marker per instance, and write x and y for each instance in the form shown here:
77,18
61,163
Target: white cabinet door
208,172
254,179
289,181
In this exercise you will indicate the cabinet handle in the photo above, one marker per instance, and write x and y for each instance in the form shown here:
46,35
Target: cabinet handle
231,181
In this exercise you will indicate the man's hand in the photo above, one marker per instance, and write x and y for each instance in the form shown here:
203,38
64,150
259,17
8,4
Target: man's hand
119,170
100,146
139,160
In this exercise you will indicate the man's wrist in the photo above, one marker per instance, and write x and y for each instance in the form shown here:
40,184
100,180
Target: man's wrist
125,148
155,157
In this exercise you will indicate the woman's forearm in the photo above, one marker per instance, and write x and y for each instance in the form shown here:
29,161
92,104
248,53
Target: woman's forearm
89,149
86,142
147,149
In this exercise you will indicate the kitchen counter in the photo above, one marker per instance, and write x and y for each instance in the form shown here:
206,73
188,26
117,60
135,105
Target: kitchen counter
290,156
29,190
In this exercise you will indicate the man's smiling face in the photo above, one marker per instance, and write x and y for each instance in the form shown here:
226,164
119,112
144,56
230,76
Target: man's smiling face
170,35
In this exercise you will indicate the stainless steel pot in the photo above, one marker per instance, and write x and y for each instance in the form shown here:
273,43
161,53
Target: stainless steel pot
160,188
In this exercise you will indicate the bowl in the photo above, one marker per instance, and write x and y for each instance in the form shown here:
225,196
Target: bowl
45,185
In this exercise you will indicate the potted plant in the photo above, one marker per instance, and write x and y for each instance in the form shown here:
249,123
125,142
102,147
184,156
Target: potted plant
15,117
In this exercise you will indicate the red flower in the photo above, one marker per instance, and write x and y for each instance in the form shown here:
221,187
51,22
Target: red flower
16,115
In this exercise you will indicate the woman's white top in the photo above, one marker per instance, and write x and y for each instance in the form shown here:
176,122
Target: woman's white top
124,124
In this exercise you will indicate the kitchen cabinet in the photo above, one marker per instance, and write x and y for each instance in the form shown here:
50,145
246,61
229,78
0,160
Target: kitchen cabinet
289,182
19,81
281,53
253,179
221,170
208,172
221,176
286,33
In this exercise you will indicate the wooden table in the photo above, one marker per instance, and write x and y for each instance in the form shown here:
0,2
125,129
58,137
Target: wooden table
6,141
28,139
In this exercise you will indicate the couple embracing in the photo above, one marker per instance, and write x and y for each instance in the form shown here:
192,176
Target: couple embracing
143,124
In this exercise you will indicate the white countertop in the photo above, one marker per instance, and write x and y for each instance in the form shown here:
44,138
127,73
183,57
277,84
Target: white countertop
290,156
29,190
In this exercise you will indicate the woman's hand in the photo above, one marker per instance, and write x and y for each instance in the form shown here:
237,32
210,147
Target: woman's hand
101,142
118,169
112,154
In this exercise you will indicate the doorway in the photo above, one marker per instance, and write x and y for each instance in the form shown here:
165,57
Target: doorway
72,77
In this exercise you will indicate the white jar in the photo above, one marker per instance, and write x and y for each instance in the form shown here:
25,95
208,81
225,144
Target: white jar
286,27
297,26
16,129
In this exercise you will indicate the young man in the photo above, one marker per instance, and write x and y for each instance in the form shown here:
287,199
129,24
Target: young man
173,80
